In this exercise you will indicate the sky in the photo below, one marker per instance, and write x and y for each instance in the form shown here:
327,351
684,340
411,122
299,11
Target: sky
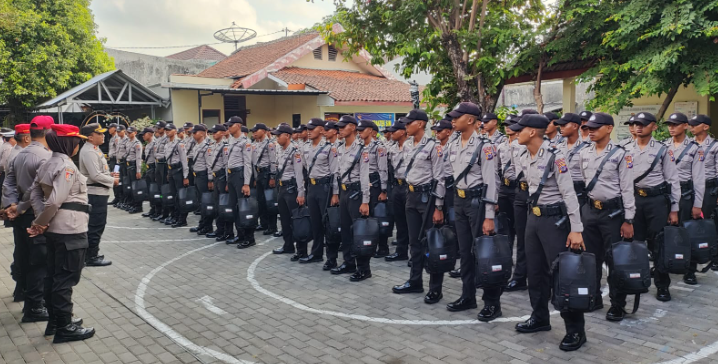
158,23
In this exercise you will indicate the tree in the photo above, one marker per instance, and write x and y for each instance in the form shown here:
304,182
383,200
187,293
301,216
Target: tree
469,46
46,47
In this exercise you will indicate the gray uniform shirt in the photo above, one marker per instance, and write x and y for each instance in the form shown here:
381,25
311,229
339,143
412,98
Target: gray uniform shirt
112,152
10,176
134,154
508,169
26,166
398,160
267,150
58,181
375,154
710,152
559,185
616,179
573,159
150,151
326,164
240,155
122,146
5,149
690,167
428,165
517,152
175,153
199,156
360,172
94,167
217,157
665,170
291,166
482,172
159,146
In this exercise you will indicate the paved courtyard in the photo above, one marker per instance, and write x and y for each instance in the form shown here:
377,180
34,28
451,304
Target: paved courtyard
173,297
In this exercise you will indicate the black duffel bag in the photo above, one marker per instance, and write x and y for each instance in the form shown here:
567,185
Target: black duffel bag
442,246
248,212
188,199
366,236
168,199
207,205
270,195
702,234
225,208
139,190
574,282
155,193
301,225
333,225
629,269
493,261
386,221
674,250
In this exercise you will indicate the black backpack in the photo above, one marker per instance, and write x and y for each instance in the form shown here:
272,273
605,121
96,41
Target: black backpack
493,259
702,234
333,225
674,250
188,199
207,205
225,209
442,249
139,190
248,212
366,236
155,193
386,221
168,199
301,225
629,269
574,282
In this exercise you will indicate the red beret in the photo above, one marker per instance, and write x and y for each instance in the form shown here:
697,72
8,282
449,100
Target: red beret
67,130
41,122
22,129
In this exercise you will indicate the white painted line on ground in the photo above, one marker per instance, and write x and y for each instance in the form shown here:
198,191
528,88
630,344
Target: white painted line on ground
140,228
206,301
154,241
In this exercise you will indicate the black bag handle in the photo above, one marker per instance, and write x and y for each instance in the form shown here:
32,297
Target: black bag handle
645,174
593,182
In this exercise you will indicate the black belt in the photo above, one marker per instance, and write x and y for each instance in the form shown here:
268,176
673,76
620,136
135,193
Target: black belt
470,193
650,191
421,188
510,183
97,185
175,166
262,169
236,169
320,181
354,186
122,161
523,186
399,182
161,161
219,174
686,186
76,206
548,210
290,183
612,204
200,173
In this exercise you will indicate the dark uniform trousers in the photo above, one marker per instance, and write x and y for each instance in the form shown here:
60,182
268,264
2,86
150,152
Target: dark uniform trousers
266,218
96,225
65,259
580,188
398,199
709,206
544,241
651,216
287,199
220,183
175,185
132,173
235,181
201,179
469,226
115,189
317,201
416,211
151,177
449,203
599,232
161,179
123,173
685,208
507,196
521,211
349,211
31,260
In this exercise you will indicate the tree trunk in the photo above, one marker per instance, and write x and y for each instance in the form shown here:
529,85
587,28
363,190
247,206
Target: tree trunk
667,101
461,73
537,88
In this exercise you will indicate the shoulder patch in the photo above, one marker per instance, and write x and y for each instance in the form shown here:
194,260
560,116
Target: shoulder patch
439,152
561,165
365,156
701,155
489,152
249,147
629,162
334,152
69,172
381,151
673,158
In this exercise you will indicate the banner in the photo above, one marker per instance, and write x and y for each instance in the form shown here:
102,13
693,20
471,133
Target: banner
331,117
382,120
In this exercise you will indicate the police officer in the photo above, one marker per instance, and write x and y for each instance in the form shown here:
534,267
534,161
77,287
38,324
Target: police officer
608,214
553,224
265,169
320,160
7,144
148,135
690,159
399,190
189,145
507,174
552,131
291,190
62,208
134,165
425,175
239,174
571,146
99,182
443,131
700,125
200,166
375,154
217,161
632,130
472,160
122,152
178,168
161,170
583,134
112,155
353,178
657,192
331,133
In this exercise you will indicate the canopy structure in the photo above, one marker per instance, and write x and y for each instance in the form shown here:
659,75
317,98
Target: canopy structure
114,90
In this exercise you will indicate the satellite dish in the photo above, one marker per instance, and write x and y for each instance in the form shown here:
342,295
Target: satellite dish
234,34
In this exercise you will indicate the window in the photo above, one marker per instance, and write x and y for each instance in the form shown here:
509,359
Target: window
235,106
296,120
211,117
318,53
332,53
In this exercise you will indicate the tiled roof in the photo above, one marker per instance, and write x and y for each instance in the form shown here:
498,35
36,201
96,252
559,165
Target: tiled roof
203,52
348,86
248,60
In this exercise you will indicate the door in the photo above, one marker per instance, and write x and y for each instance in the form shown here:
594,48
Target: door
235,106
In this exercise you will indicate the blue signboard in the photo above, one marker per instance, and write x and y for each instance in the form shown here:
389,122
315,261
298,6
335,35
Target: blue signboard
382,120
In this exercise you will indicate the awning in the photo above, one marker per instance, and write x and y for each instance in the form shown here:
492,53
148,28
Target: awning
238,91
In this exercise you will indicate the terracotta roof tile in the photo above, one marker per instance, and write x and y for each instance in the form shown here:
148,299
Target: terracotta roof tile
248,60
348,86
203,52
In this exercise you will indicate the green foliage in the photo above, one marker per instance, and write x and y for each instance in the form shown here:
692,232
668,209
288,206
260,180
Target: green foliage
144,122
46,47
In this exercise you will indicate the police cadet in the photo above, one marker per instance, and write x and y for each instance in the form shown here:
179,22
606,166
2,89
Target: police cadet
59,198
353,178
571,146
200,172
134,165
443,131
700,125
321,161
608,214
291,190
583,134
265,169
375,154
425,175
122,161
178,171
217,161
112,155
472,160
632,130
32,260
239,175
398,161
331,133
99,182
689,158
148,135
189,145
552,131
7,144
163,213
657,192
507,174
553,224
303,134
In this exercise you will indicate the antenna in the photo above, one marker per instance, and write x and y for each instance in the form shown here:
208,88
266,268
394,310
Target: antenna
234,34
